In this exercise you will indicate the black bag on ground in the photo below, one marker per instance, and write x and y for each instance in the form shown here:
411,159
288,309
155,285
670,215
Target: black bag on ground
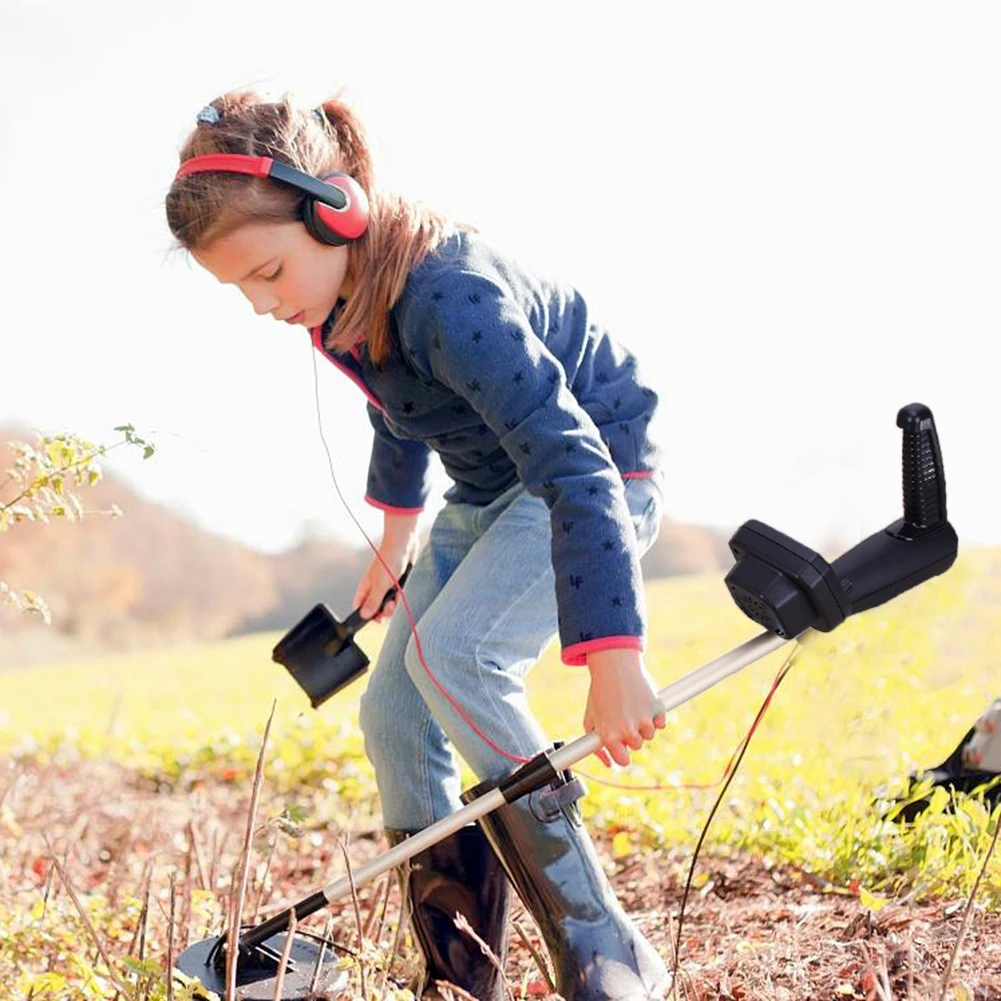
975,763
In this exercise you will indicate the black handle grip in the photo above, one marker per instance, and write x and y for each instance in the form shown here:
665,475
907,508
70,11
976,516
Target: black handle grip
354,621
920,545
924,477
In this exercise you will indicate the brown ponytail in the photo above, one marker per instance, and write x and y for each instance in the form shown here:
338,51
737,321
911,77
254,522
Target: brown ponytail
203,208
349,138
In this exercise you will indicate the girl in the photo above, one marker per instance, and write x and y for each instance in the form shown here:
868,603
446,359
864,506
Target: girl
540,418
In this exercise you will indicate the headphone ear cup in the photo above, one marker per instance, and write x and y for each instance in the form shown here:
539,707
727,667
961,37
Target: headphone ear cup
316,228
337,226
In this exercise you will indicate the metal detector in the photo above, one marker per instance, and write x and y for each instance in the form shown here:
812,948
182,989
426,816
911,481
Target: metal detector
779,583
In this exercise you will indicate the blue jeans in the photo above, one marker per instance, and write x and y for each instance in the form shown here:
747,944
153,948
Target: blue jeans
483,595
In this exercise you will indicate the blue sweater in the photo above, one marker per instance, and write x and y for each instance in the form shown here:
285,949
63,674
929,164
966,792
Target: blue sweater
505,375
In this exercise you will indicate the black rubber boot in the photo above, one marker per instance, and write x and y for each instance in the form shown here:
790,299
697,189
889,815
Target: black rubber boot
459,875
597,952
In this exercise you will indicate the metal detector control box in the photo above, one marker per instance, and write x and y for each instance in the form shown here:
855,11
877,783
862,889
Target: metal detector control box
787,587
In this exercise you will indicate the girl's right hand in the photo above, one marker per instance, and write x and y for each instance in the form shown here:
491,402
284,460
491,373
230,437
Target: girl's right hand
376,581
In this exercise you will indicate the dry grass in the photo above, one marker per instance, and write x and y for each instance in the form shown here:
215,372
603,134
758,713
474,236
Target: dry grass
753,931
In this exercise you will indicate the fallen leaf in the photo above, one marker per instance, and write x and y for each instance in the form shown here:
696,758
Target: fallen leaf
870,900
869,984
622,845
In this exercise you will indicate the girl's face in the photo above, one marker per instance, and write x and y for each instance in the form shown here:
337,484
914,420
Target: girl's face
282,270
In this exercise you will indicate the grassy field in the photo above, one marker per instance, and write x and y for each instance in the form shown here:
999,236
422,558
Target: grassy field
890,690
136,772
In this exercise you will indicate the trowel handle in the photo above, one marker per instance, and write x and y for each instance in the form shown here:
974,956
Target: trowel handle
354,621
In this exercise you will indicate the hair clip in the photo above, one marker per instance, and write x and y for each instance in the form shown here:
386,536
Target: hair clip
320,115
209,115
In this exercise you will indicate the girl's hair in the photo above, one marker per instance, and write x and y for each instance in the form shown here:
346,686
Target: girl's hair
205,207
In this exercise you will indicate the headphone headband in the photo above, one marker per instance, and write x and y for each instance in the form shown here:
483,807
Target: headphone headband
235,163
265,166
335,210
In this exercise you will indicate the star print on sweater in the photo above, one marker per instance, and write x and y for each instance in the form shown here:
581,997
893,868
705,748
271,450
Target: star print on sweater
550,400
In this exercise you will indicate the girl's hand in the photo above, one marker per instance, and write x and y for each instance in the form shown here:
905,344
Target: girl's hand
400,544
622,704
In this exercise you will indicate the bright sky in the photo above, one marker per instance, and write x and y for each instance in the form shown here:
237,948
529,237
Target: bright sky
790,211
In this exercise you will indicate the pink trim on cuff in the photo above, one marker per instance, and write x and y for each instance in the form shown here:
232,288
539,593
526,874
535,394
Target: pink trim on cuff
389,507
640,474
576,655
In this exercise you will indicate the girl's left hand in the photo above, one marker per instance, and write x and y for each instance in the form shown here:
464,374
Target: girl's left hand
622,704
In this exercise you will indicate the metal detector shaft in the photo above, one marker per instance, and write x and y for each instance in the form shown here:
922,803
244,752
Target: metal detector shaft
669,698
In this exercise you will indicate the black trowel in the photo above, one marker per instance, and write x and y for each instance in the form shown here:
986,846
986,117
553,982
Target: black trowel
319,651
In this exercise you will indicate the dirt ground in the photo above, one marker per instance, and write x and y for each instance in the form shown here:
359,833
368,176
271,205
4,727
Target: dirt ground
751,931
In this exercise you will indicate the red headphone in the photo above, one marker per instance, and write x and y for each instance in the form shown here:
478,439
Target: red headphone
335,210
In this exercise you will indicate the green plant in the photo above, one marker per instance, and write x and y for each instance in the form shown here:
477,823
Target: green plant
42,484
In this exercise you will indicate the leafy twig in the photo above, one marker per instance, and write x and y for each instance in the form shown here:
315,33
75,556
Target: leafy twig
131,438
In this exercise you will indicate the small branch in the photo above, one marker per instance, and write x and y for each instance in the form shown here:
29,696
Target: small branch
84,916
539,961
199,864
968,911
144,918
170,943
462,923
264,881
361,931
232,947
377,898
35,483
385,905
318,967
141,923
286,952
403,881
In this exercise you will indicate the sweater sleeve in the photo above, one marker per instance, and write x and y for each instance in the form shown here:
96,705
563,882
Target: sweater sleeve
398,470
479,342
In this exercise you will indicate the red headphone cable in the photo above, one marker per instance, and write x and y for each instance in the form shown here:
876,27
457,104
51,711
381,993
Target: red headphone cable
401,591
